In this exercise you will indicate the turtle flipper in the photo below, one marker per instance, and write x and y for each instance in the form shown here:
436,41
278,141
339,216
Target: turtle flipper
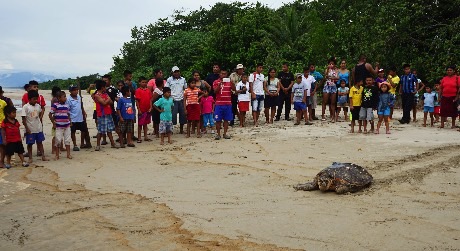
341,189
307,186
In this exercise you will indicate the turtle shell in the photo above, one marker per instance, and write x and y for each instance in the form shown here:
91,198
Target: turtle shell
348,174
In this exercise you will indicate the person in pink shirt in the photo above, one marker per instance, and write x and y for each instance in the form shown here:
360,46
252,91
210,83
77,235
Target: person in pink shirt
207,110
157,73
144,103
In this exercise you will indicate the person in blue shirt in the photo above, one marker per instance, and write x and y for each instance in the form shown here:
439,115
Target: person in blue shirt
318,78
408,88
78,119
127,114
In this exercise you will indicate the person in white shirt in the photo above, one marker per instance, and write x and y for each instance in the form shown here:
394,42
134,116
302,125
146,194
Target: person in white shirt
309,81
256,83
177,85
244,98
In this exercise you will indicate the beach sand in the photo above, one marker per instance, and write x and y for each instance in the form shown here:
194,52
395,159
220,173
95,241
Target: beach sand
202,194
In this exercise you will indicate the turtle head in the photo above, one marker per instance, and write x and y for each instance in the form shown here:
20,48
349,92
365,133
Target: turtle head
325,182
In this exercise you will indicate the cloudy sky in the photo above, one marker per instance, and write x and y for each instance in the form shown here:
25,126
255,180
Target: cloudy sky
68,38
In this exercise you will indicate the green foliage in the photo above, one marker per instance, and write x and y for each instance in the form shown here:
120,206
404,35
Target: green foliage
64,84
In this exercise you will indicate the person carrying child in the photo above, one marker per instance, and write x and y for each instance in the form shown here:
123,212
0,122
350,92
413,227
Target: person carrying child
144,109
299,99
60,117
429,98
11,137
383,109
165,106
192,108
126,113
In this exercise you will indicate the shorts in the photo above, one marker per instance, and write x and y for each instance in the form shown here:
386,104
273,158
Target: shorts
243,106
207,119
300,106
330,89
258,103
270,102
62,134
342,101
53,132
366,114
144,119
223,112
437,110
428,109
127,126
165,127
35,138
14,147
94,115
79,126
355,113
105,124
193,112
385,112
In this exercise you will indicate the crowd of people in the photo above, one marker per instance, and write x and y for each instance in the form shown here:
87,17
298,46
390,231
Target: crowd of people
214,103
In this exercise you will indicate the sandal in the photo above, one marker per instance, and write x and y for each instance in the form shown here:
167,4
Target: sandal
131,145
139,141
122,146
76,149
227,137
114,146
25,164
217,137
98,148
7,166
147,139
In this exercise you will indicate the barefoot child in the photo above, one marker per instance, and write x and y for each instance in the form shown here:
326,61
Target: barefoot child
383,110
244,98
343,91
428,105
356,93
78,119
144,109
207,110
104,114
11,137
33,124
369,103
61,122
437,104
157,94
126,113
192,108
299,99
164,105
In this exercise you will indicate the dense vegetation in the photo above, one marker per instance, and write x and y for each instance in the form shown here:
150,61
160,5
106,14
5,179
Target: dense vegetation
392,32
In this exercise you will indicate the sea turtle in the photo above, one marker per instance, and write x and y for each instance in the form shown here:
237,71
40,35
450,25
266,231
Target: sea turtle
339,177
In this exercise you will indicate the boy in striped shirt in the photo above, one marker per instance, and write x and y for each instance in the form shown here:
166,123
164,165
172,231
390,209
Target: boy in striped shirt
60,117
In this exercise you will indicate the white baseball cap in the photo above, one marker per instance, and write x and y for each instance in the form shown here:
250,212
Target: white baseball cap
239,66
175,68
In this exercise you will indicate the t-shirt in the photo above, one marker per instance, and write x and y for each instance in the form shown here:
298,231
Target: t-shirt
192,95
177,85
41,100
342,98
449,86
356,95
32,115
152,84
144,98
76,113
309,82
224,96
272,85
243,96
7,100
395,80
428,99
298,90
211,78
12,132
343,76
370,97
436,100
61,114
102,110
286,78
257,81
3,104
408,83
206,104
91,92
166,105
125,106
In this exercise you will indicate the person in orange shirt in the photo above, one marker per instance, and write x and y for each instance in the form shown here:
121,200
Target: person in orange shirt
192,107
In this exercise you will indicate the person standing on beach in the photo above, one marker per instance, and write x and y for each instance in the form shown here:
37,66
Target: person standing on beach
235,77
165,106
78,119
393,80
272,90
369,103
192,95
60,117
33,85
363,70
314,100
287,81
7,100
244,98
3,104
104,114
213,77
127,114
256,83
408,89
449,92
177,84
11,137
223,88
144,104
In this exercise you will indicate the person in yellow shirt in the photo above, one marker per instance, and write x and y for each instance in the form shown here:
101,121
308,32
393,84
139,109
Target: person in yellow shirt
393,79
356,94
3,104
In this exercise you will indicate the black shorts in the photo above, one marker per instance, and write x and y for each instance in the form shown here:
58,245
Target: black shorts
79,126
355,112
270,102
14,147
95,115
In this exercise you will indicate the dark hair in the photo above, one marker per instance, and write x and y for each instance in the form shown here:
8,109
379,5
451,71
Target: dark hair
166,89
259,65
142,78
453,67
286,63
156,71
332,59
370,78
215,63
55,90
120,82
244,75
124,90
99,84
306,68
271,69
159,82
193,73
32,94
310,64
405,66
428,86
33,82
107,76
343,81
60,94
362,56
190,80
26,86
392,68
126,73
9,109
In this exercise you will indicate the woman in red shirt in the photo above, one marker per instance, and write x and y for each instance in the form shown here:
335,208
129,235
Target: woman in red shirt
448,92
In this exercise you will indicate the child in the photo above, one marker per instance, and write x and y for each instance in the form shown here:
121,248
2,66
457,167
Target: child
126,113
437,104
60,117
104,114
428,105
78,119
157,94
342,102
54,91
144,109
192,107
369,103
33,124
3,104
11,137
393,80
380,77
299,99
33,85
356,93
383,110
92,91
244,98
166,104
207,110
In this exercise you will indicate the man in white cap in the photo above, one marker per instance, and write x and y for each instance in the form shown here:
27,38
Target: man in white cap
235,78
177,85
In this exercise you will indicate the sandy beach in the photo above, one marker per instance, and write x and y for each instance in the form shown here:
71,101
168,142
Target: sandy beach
202,194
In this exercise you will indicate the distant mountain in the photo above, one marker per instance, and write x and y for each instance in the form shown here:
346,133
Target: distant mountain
19,79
